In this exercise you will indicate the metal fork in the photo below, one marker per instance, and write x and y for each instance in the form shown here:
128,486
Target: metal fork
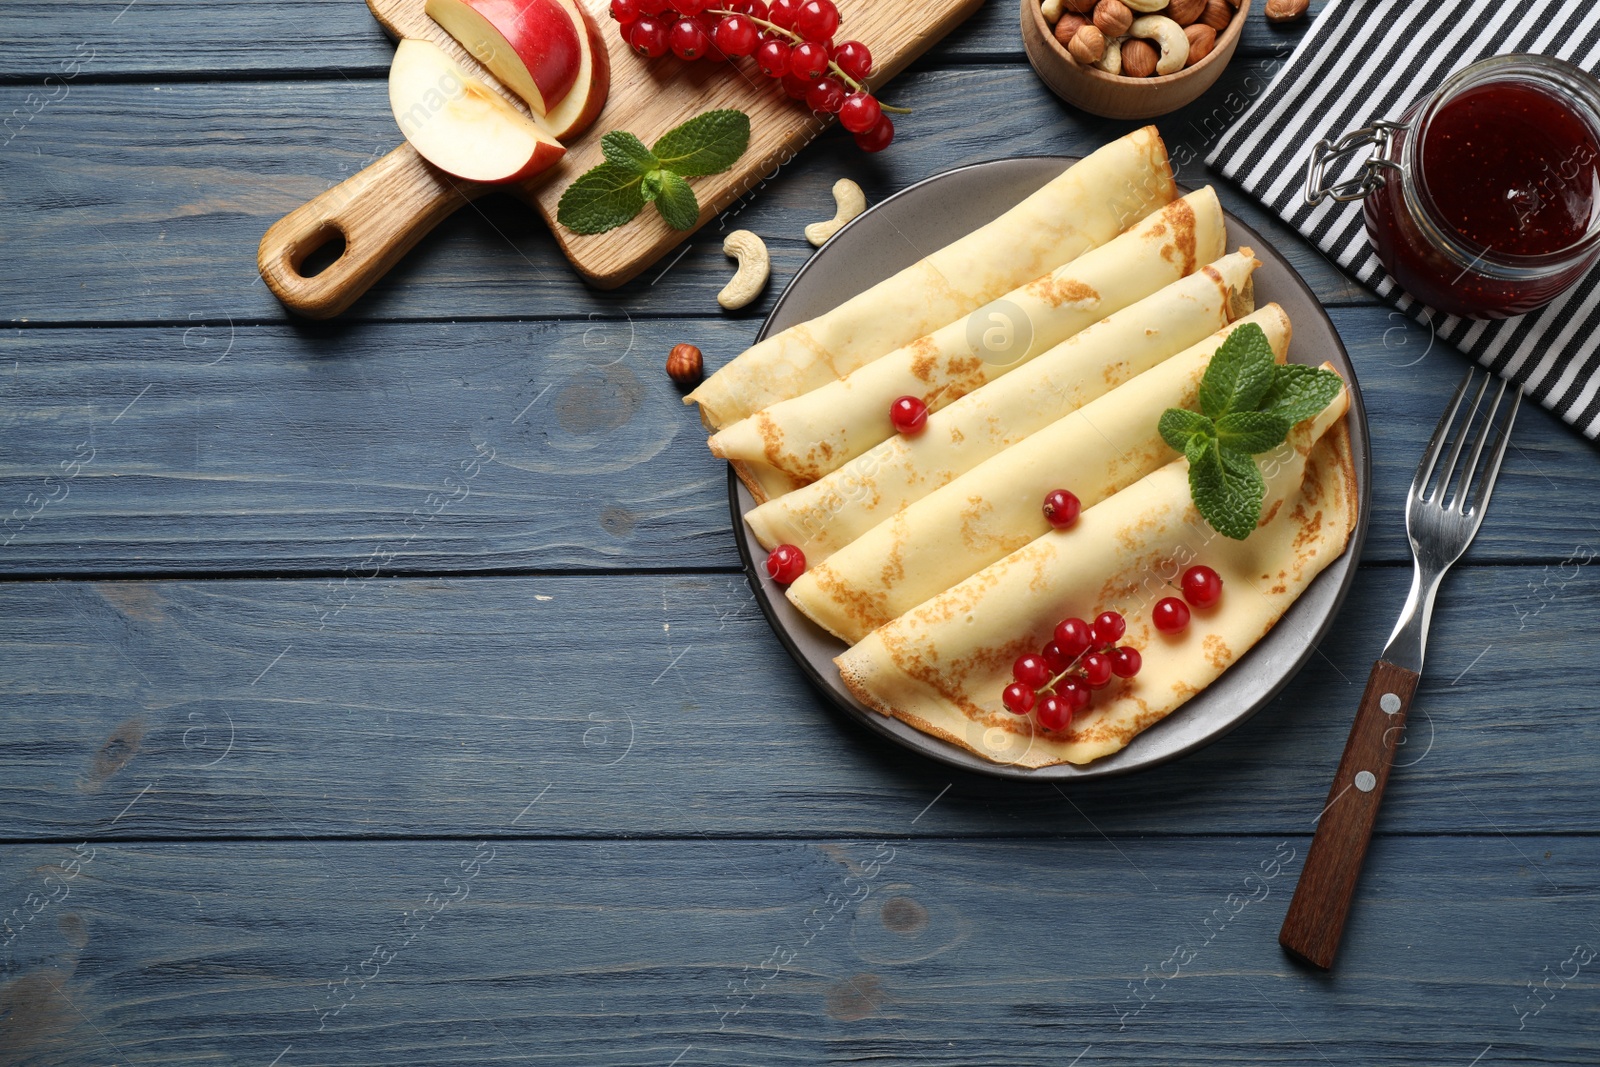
1444,510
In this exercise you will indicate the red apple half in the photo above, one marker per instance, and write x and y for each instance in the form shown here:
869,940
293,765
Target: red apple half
461,125
533,46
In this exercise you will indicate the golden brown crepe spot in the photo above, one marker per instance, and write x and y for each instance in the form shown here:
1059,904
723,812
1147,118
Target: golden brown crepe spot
1118,371
1310,527
1217,652
862,608
1271,513
925,359
771,437
894,566
1055,292
956,436
1184,241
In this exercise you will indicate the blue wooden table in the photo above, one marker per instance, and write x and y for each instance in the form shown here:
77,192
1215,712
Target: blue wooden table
386,691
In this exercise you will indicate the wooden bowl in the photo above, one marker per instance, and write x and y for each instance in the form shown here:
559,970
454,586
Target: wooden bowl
1112,95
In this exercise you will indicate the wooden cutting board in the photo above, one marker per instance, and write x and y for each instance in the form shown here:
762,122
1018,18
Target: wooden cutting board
384,210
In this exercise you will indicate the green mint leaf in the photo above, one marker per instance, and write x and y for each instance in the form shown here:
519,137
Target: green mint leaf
624,150
1228,489
1299,392
1240,373
677,203
603,199
1180,425
706,144
650,184
1250,432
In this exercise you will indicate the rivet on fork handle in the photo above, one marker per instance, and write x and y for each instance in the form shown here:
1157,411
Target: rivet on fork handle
1327,885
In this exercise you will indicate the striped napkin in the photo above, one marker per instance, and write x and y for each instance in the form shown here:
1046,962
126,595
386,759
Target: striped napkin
1370,59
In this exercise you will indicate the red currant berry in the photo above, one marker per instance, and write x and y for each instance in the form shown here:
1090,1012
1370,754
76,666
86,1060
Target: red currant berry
1058,660
735,36
1097,670
689,7
1055,711
625,11
1073,638
854,59
782,13
1126,661
1061,509
687,39
1031,670
809,59
909,415
1075,693
826,95
1170,615
795,86
816,20
648,36
1202,586
860,112
878,138
1018,698
773,58
1108,629
756,9
652,7
786,564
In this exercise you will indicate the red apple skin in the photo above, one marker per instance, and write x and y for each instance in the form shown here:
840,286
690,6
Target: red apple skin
540,55
567,120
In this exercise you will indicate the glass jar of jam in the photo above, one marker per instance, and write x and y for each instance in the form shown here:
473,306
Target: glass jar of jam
1484,199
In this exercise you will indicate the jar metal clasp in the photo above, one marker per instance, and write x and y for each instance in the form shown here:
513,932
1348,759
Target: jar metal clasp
1378,137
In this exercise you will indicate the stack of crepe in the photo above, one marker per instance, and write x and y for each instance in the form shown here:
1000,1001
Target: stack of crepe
930,555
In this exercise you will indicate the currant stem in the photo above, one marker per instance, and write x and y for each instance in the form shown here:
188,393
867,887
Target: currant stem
795,38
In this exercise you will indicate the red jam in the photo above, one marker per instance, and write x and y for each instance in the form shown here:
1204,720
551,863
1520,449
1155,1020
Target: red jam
1512,171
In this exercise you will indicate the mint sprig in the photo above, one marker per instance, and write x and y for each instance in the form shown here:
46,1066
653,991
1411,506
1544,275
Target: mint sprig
1248,404
632,176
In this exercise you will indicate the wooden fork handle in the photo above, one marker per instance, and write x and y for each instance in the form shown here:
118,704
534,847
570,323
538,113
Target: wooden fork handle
380,213
1328,880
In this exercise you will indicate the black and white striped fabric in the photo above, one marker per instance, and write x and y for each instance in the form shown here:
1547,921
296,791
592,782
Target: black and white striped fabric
1370,59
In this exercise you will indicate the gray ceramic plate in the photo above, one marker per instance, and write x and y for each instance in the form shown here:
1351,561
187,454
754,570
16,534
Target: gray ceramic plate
895,234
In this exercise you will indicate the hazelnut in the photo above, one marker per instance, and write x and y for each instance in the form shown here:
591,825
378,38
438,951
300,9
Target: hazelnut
1183,12
1202,39
1139,58
1087,45
1067,26
1286,10
1217,15
1112,18
685,365
1079,7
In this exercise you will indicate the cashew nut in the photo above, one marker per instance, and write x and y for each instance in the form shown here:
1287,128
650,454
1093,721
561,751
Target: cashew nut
1052,11
1111,62
851,202
755,266
1146,6
1166,33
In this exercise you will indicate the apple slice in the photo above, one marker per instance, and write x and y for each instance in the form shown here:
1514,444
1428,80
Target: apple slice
459,124
533,46
584,101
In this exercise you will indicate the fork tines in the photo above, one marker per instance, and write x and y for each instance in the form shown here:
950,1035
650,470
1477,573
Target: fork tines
1473,473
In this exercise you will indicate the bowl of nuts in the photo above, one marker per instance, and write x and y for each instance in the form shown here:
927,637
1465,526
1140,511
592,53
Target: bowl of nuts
1131,59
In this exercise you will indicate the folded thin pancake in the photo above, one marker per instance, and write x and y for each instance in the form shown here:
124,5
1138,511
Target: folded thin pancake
1084,207
818,432
942,666
833,511
995,508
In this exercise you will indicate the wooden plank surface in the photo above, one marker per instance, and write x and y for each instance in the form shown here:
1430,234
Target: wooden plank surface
102,229
249,449
664,706
159,39
963,953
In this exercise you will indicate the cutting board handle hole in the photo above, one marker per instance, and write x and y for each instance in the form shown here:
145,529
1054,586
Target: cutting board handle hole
318,251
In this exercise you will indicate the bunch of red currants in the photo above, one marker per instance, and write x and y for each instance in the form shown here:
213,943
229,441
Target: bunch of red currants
792,41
